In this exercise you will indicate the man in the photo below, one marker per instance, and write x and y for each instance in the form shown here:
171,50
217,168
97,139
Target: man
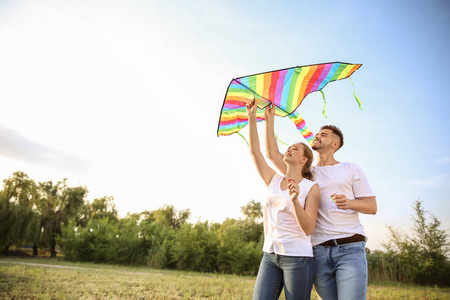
338,239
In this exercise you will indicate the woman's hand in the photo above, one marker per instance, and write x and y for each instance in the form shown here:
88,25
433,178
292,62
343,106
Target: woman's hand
251,108
293,188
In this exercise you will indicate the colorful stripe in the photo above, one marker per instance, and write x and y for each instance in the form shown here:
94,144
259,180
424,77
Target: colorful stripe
301,126
285,88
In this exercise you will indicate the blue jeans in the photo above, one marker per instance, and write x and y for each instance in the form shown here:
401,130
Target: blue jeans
294,273
341,271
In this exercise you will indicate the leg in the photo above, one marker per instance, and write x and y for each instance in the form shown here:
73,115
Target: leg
269,282
351,271
325,282
299,274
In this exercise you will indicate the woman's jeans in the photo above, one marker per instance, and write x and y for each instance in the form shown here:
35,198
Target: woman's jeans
295,273
341,271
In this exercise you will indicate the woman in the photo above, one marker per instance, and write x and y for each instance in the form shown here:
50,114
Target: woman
290,214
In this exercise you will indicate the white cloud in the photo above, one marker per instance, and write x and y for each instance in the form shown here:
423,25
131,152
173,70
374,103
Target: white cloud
433,182
17,147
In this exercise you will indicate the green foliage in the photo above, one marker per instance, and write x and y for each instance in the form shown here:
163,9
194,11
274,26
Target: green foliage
50,213
148,238
420,258
168,216
196,247
252,211
18,217
240,252
57,203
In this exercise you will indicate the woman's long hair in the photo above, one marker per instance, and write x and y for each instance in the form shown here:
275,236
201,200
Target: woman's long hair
306,172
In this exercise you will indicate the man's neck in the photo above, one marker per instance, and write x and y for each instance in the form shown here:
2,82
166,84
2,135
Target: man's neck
326,159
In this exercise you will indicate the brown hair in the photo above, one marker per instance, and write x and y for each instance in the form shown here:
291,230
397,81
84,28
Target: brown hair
306,172
337,132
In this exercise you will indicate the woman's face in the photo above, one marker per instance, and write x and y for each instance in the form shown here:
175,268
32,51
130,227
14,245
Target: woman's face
295,153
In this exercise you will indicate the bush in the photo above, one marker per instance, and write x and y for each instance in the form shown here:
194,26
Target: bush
420,258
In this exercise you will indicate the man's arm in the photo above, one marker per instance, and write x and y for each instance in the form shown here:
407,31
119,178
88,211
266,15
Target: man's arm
272,152
364,205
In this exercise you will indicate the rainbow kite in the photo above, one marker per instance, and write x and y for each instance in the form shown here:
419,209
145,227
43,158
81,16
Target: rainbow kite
285,88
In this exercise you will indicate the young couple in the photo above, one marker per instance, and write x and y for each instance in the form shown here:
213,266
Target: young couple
312,233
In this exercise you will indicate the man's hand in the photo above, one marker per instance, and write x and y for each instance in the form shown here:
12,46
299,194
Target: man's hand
342,202
269,112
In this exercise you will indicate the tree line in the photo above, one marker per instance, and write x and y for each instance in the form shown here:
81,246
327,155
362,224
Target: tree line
55,216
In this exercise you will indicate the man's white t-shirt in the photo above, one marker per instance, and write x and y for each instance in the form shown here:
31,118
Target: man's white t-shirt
282,234
334,223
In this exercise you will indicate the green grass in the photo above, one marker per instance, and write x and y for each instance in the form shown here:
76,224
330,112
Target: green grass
54,279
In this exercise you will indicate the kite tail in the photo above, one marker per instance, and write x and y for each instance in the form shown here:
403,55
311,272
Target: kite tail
324,104
301,126
354,95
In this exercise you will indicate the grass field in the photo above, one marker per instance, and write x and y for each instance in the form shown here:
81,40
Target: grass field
23,278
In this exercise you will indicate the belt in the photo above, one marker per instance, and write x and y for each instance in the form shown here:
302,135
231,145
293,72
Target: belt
351,239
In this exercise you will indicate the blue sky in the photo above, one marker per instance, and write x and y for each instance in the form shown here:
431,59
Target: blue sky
124,97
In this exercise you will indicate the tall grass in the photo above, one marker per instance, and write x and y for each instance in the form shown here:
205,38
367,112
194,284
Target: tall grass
52,279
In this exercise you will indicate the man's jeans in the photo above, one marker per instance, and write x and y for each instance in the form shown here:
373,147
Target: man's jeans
341,271
295,273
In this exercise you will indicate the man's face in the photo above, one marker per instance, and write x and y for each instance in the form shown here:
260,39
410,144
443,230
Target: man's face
324,139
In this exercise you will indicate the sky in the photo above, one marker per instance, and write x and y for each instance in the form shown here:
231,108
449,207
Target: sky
124,97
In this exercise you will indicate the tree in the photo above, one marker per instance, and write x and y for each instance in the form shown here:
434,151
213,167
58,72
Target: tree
57,203
252,210
168,216
103,208
422,257
17,214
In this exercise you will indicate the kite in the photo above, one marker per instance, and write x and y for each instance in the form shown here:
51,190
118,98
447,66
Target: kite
285,88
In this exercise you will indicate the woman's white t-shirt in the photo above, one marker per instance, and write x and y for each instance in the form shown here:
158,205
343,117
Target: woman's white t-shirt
282,234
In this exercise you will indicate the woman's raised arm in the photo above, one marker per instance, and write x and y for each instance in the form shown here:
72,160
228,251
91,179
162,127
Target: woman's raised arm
272,152
263,168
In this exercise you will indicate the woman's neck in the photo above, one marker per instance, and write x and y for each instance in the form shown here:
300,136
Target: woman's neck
294,173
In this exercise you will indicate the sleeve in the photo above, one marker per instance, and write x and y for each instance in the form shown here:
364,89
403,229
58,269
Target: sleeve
361,186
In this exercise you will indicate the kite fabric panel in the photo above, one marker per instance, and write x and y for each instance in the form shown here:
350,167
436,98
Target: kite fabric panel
285,88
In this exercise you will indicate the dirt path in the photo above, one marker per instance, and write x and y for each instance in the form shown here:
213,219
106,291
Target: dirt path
40,265
70,267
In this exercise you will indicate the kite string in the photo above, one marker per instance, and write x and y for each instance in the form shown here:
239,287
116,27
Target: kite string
243,138
279,141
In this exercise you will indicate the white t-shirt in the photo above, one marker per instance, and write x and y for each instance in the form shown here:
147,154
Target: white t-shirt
334,223
282,234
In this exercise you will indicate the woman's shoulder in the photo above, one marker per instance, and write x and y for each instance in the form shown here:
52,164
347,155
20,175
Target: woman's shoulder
308,183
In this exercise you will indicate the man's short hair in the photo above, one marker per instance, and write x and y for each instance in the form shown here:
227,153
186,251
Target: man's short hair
337,132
